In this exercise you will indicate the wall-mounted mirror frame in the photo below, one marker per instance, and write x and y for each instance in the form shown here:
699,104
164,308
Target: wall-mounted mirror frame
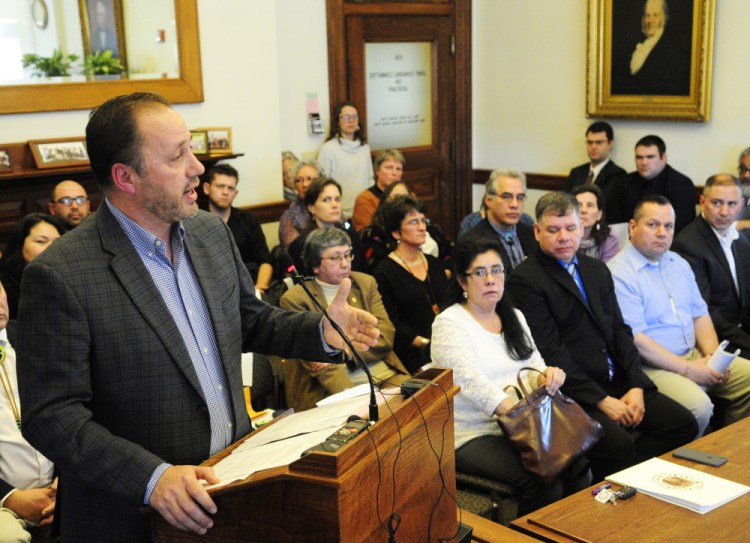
86,95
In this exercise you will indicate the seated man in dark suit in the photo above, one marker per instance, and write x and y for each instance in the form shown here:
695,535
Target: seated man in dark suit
570,306
220,186
720,259
504,197
652,176
600,170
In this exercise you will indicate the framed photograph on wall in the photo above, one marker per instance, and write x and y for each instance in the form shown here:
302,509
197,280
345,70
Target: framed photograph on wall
101,25
219,140
199,142
5,164
650,59
59,152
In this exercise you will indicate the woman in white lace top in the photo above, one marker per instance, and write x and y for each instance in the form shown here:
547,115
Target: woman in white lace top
486,342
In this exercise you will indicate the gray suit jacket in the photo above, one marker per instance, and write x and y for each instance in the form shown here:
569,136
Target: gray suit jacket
107,387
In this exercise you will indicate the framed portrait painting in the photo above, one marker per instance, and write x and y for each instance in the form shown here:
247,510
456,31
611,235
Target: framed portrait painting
101,25
650,59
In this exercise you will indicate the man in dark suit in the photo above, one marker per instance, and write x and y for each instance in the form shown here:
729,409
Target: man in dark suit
131,333
504,197
575,321
720,259
600,170
652,176
658,61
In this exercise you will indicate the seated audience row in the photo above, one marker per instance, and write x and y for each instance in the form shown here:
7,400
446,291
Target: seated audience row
661,302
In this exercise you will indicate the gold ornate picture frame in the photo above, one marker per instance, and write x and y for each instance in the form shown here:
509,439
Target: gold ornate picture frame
638,68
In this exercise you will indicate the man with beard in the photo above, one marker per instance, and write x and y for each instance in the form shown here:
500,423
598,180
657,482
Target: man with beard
131,332
221,188
69,203
600,170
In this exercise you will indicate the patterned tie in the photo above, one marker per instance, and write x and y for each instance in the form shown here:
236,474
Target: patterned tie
571,267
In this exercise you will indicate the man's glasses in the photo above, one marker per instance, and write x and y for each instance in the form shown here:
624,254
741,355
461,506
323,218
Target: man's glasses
508,197
67,200
349,117
481,273
338,259
744,169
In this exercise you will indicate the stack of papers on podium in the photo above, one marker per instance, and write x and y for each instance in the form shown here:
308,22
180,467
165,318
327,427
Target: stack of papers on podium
673,483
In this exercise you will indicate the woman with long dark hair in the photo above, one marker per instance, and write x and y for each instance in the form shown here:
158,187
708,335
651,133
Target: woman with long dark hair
323,203
29,237
486,341
346,156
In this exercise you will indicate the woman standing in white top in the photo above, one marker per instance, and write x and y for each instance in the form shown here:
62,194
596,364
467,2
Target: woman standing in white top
486,342
345,157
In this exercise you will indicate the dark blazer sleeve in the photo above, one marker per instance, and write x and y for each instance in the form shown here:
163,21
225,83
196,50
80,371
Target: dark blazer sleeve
697,244
577,176
681,192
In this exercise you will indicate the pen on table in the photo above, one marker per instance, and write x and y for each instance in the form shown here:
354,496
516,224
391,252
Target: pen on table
595,491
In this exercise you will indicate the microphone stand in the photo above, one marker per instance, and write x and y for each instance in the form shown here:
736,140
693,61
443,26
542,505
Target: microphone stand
299,279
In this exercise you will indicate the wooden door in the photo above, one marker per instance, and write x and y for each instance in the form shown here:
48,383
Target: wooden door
438,164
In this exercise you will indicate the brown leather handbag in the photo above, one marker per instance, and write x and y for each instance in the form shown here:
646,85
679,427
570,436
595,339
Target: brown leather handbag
549,432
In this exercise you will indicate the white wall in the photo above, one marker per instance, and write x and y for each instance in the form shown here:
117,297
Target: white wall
529,104
261,57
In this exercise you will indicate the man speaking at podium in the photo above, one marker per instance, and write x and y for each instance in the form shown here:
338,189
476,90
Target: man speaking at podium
130,332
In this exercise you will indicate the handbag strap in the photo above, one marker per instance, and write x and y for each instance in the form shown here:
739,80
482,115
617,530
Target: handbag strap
520,381
515,389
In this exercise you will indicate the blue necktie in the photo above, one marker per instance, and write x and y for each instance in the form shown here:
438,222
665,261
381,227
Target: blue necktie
571,267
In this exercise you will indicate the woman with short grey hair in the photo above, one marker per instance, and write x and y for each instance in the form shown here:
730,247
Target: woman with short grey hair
328,254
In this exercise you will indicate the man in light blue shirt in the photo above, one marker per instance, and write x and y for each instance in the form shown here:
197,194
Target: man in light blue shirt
661,302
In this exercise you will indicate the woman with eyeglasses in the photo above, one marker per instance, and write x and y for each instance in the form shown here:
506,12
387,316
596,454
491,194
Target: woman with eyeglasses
412,283
486,341
377,244
328,253
346,155
323,203
389,169
597,240
29,237
296,217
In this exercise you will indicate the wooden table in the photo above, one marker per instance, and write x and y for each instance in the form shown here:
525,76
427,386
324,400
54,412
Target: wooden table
486,531
581,519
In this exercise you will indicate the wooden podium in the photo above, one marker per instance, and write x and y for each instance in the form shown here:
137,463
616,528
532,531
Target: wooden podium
327,497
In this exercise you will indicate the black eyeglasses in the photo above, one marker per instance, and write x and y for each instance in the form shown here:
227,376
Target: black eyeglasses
67,200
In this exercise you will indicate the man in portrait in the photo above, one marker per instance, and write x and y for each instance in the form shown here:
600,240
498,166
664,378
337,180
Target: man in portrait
103,29
657,59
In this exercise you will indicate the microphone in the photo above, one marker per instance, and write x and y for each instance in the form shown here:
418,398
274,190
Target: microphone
291,271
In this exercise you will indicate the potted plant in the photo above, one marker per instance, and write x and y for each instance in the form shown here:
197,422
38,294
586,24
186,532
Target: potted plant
56,65
103,63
